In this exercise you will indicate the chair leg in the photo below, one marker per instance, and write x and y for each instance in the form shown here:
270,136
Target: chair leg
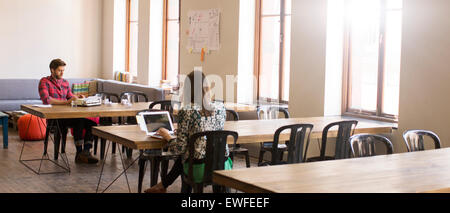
219,189
129,153
154,171
261,156
198,188
185,188
247,159
281,156
142,167
232,156
164,168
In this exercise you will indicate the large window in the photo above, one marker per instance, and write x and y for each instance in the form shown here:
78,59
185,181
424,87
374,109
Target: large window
132,36
372,58
171,47
272,49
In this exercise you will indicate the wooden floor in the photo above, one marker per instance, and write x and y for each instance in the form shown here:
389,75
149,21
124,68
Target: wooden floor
16,178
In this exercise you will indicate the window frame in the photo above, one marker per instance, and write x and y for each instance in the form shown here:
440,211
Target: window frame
165,37
378,114
128,36
257,58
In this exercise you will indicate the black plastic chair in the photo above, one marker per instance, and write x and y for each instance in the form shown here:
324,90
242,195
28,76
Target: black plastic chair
216,142
234,116
364,145
414,139
271,112
342,150
299,137
106,121
135,96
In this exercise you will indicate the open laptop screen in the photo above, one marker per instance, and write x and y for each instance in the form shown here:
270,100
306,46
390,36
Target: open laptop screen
155,121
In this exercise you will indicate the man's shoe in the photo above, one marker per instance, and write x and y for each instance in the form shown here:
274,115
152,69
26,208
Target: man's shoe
85,157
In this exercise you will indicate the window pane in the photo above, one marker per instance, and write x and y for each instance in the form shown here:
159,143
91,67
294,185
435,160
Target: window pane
394,4
364,53
133,48
286,58
392,62
288,6
173,9
270,7
270,57
172,51
134,10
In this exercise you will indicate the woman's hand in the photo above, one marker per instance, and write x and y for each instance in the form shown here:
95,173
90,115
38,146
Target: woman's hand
165,134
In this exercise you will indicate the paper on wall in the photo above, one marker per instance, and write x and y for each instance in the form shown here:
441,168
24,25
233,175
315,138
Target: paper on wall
203,30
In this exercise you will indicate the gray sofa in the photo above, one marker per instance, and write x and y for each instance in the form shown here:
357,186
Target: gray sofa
15,92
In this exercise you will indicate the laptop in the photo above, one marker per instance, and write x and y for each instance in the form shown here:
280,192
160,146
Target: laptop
150,122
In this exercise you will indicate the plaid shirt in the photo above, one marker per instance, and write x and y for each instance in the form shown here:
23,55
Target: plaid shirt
57,89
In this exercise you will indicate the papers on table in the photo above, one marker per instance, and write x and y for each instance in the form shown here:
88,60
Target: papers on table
42,106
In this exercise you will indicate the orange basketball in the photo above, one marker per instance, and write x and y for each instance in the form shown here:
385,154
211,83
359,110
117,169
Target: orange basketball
36,129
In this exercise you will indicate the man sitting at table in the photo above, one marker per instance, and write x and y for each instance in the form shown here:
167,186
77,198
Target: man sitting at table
55,90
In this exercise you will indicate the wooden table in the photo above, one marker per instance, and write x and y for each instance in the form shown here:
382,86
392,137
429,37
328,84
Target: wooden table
113,110
405,173
66,111
250,131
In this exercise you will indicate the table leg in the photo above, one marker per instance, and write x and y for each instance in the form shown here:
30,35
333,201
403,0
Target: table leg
142,166
5,132
102,148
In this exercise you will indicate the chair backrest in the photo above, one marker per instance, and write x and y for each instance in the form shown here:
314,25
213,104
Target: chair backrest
232,115
299,136
271,112
414,139
363,145
166,105
215,152
345,130
135,96
109,96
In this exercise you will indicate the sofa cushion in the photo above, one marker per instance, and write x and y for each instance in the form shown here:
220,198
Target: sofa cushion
13,105
19,89
116,87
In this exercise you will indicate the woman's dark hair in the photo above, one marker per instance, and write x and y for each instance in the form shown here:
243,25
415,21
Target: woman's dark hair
195,91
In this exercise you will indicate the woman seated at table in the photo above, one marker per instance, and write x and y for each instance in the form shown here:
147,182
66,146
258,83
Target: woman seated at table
198,114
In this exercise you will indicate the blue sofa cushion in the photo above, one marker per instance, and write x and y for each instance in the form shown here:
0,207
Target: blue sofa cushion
13,105
19,89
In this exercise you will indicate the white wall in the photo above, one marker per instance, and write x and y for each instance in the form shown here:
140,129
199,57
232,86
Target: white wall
308,58
223,62
425,68
32,33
